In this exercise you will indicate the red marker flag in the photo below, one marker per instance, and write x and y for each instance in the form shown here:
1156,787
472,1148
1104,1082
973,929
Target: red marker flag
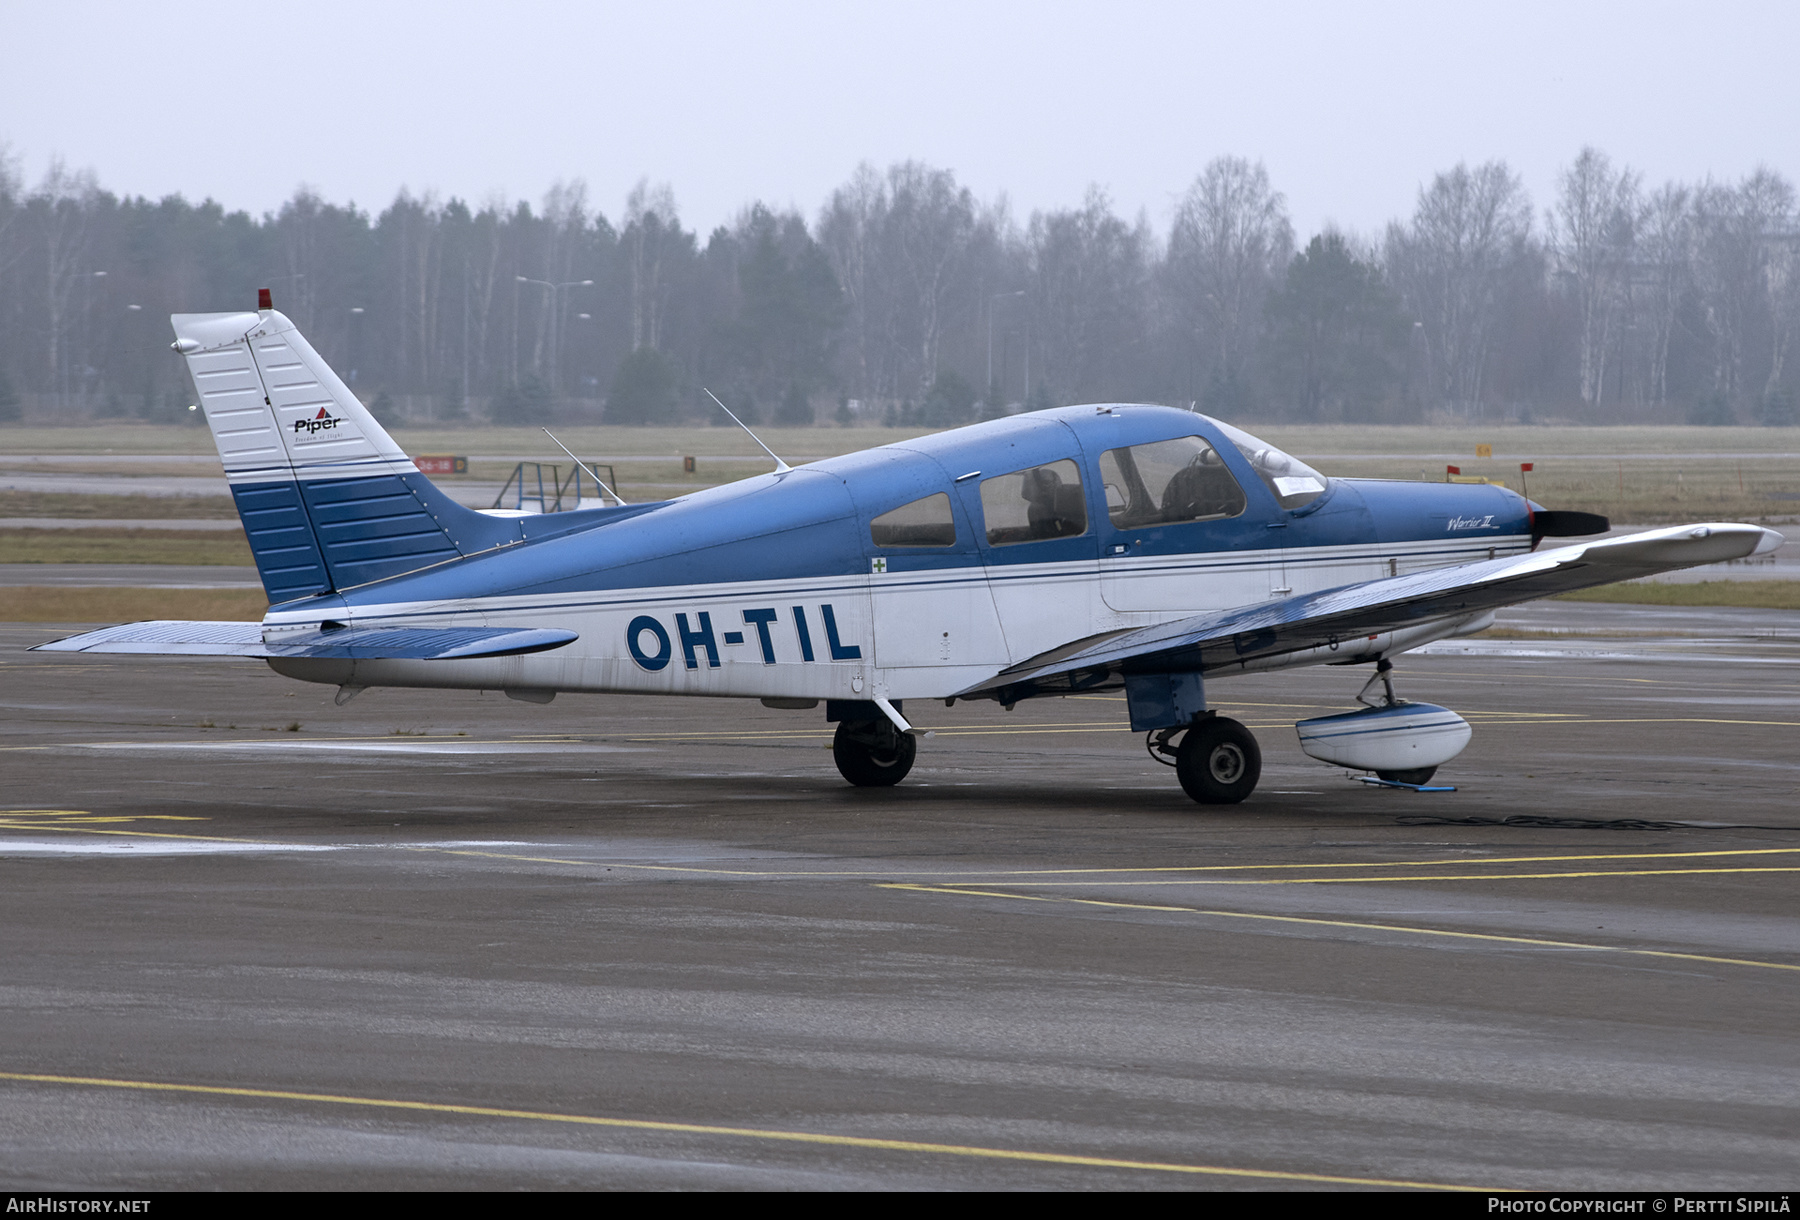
1453,470
1525,467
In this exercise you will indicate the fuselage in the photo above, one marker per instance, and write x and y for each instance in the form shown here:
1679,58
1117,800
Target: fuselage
919,569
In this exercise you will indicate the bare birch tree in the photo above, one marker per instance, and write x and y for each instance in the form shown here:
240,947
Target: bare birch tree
416,244
1593,230
1738,228
651,224
930,222
62,205
1088,276
1449,264
565,224
297,225
1228,245
1665,271
849,232
481,280
11,185
1782,276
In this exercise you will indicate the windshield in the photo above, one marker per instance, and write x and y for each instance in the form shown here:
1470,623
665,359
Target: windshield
1293,482
1168,483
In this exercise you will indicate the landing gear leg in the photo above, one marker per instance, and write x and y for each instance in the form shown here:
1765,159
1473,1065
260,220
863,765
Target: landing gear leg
873,753
1384,677
1218,761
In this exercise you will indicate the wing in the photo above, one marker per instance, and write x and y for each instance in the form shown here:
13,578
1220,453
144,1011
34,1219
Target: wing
171,638
1226,639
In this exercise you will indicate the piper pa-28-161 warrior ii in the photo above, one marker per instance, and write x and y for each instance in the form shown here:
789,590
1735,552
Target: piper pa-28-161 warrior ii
1091,548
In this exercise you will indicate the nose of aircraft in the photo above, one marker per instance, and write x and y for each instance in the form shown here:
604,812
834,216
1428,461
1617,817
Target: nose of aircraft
1462,511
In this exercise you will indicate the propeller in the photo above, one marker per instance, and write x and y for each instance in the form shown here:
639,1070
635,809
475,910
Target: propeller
1551,523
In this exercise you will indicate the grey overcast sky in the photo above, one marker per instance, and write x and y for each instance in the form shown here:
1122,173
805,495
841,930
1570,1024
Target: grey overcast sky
1351,106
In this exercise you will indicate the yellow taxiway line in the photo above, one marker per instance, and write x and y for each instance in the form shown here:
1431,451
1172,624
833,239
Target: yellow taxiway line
1417,880
1170,868
1531,941
751,1133
81,821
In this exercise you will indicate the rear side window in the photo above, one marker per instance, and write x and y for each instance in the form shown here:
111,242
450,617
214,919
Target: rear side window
1032,505
1168,482
924,522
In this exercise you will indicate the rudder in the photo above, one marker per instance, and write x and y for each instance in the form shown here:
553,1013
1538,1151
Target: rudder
328,500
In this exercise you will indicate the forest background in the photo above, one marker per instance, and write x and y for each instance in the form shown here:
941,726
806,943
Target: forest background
906,301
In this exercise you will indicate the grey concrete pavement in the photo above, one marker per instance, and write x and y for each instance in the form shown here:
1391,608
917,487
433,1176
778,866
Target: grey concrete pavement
651,911
115,484
129,575
207,524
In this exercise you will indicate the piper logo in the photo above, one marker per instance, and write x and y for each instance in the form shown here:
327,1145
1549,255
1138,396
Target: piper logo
324,421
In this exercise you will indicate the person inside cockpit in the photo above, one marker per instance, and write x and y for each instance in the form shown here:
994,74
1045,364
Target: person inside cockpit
1056,509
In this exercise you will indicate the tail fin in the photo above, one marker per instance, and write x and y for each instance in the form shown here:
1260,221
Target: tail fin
327,498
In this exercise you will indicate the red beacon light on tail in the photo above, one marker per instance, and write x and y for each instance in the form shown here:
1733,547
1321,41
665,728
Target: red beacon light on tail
263,300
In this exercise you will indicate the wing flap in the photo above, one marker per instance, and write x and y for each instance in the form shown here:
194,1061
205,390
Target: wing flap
166,637
1218,640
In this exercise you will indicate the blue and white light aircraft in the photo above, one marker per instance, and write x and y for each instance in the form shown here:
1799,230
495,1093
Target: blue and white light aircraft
1112,547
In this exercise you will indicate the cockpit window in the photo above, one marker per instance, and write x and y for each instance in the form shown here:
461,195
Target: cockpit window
1167,483
1294,483
925,522
1031,505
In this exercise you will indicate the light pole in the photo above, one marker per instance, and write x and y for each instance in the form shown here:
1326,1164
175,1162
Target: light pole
555,319
87,333
589,380
998,296
132,331
356,317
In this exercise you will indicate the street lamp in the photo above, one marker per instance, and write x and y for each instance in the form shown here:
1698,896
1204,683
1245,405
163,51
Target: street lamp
555,317
998,296
356,315
87,328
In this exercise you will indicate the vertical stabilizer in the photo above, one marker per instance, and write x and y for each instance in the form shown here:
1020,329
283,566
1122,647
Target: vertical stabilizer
327,498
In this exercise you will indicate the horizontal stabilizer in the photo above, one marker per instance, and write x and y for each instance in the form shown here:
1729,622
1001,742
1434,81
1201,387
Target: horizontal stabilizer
165,637
1334,618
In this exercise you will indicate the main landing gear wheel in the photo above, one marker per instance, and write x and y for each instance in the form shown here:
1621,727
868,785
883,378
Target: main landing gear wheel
873,753
1418,776
1218,761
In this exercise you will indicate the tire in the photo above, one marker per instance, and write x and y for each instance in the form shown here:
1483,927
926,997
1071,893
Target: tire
1417,775
1218,761
873,754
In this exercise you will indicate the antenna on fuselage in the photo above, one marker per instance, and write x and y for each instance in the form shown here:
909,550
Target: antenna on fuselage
603,487
781,467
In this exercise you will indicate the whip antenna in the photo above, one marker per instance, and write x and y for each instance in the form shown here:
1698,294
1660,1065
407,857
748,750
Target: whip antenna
781,467
603,487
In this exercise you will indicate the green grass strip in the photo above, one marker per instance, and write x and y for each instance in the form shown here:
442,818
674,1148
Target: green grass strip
1752,594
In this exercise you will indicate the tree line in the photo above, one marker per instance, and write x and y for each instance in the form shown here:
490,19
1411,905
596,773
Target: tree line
906,300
